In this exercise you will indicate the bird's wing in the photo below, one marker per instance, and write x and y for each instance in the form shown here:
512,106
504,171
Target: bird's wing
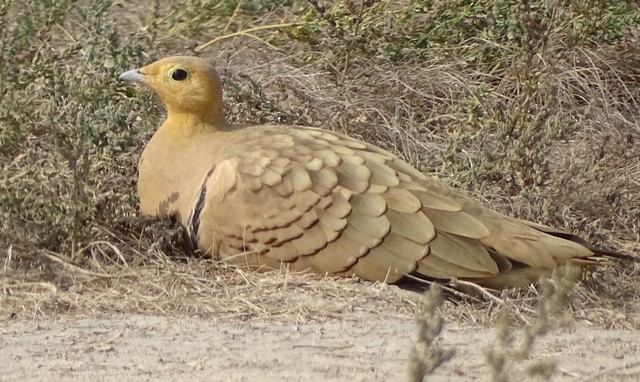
333,204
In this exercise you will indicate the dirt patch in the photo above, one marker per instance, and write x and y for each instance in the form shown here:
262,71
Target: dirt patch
165,348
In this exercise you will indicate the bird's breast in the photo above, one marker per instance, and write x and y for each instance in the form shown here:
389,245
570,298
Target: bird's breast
170,173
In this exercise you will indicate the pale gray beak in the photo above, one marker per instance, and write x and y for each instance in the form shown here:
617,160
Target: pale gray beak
131,76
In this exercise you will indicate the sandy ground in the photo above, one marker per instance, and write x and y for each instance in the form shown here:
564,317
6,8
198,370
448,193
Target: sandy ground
189,348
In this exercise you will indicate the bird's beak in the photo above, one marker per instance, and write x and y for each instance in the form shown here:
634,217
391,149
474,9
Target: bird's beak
132,76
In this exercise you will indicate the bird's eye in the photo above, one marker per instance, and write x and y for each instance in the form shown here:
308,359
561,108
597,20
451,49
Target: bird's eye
179,74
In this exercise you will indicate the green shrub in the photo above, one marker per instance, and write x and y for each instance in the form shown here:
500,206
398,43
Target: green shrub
65,134
486,34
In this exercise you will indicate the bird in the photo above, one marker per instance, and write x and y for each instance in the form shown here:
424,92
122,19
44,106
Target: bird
320,201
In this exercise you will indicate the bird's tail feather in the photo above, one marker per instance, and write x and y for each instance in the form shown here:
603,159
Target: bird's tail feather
597,251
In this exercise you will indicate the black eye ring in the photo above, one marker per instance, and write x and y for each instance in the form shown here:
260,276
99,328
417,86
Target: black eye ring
179,74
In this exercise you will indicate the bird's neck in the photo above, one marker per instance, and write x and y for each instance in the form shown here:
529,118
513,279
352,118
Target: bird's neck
188,125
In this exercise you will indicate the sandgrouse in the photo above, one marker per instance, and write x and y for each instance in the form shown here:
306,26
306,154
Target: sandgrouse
322,201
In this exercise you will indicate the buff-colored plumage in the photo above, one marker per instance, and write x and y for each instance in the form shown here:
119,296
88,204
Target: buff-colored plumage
319,200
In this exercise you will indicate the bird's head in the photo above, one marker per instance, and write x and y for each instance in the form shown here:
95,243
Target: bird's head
189,87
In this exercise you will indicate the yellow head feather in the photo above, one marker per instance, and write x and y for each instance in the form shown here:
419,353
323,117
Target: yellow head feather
189,87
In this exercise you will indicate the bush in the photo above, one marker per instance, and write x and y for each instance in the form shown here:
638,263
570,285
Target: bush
66,130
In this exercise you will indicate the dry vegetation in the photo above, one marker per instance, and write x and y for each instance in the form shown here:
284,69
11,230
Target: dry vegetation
531,106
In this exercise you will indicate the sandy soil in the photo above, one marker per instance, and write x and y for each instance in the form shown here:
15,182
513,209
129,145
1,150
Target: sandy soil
189,348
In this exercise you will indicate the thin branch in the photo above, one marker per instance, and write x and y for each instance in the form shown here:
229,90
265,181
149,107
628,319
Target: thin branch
200,48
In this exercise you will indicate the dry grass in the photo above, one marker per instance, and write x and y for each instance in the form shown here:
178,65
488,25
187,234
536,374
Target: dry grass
116,277
506,351
111,280
563,152
427,354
